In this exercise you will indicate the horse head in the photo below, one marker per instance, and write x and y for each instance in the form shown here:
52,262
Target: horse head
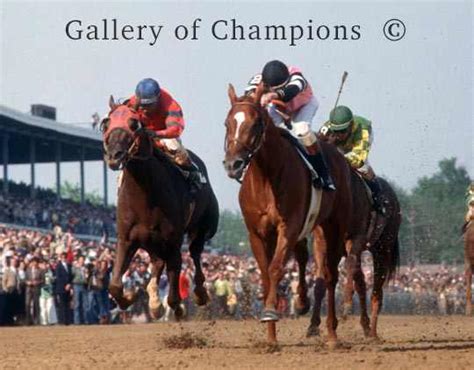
123,135
245,127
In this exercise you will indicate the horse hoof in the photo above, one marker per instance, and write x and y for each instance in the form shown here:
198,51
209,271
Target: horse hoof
201,298
303,310
123,304
375,339
313,331
178,313
332,344
158,312
269,315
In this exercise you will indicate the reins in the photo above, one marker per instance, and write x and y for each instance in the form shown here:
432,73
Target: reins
261,136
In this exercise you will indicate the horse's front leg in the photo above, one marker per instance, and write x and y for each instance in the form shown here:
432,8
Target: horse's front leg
275,273
124,253
320,267
331,237
260,252
195,248
154,302
360,286
301,255
173,269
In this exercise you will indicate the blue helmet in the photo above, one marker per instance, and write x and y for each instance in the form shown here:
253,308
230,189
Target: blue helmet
148,91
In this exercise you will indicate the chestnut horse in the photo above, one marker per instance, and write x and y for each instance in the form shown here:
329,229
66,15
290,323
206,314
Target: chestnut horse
275,198
373,232
155,208
469,262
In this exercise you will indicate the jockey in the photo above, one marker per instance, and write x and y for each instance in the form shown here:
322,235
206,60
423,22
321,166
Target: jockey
163,116
353,136
288,85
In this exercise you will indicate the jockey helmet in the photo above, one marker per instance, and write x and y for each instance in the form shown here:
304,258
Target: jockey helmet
275,73
340,118
148,91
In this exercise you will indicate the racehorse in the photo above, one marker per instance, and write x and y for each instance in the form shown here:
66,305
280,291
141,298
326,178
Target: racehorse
275,198
368,231
469,262
155,209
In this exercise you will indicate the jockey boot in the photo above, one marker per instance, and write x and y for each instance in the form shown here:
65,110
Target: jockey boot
317,160
190,170
195,178
374,186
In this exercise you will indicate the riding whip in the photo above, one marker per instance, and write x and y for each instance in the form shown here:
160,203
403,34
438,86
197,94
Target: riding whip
344,76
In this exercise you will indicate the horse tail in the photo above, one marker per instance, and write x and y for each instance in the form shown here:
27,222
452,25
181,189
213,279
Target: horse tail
212,217
394,262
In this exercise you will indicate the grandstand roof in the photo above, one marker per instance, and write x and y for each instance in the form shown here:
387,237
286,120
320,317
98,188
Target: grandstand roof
20,127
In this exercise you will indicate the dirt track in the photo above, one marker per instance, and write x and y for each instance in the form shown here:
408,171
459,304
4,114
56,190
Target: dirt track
409,342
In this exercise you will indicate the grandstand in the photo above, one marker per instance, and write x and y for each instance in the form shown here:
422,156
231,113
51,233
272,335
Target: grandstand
29,138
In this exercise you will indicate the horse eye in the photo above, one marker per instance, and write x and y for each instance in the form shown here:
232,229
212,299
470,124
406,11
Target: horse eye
134,124
104,124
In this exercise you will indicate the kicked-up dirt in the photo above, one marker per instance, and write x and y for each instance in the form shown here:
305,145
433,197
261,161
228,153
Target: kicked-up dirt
406,342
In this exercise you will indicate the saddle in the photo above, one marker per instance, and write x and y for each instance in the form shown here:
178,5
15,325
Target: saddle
366,187
185,166
301,151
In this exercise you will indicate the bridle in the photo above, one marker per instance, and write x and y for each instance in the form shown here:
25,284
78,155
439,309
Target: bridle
251,150
132,151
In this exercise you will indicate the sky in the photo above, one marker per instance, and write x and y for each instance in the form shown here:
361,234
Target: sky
418,92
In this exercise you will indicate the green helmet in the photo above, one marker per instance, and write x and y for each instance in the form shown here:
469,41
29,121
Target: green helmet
340,118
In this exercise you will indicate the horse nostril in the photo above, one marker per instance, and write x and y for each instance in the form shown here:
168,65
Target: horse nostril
238,164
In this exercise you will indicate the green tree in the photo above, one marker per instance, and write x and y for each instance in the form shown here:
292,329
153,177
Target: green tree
73,192
232,233
436,209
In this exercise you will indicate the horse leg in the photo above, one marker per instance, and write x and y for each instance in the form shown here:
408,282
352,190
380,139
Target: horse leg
195,248
125,252
380,273
468,273
275,272
301,255
361,289
349,287
173,270
259,251
152,288
335,244
319,252
331,286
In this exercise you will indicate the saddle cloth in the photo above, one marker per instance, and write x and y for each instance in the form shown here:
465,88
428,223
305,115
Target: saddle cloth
316,194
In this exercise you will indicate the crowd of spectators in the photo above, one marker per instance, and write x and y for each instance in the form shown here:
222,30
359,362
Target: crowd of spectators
46,211
56,278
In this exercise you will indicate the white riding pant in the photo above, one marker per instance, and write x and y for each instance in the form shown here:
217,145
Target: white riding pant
300,121
365,168
173,145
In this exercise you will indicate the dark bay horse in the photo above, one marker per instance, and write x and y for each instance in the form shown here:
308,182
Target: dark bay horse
469,262
375,233
155,209
275,197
